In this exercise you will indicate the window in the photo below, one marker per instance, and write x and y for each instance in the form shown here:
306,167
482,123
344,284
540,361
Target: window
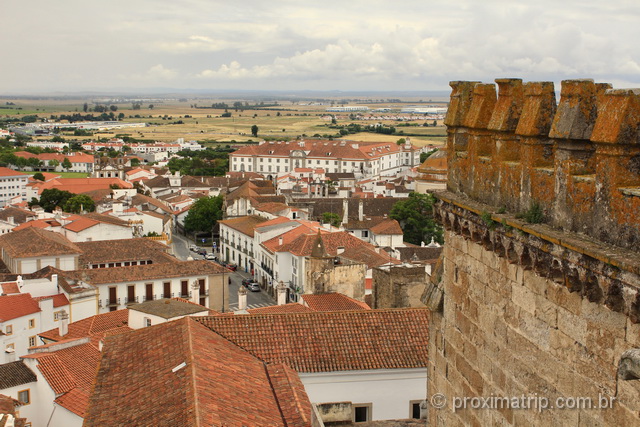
147,322
414,409
8,330
32,341
361,412
24,396
10,348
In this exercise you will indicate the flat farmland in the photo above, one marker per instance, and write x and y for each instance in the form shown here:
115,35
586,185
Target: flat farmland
170,120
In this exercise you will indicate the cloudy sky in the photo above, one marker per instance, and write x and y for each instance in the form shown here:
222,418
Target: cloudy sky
118,45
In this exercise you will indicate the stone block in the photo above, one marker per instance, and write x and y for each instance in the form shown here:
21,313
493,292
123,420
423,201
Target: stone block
629,394
562,346
534,330
546,311
632,333
573,326
534,282
471,375
570,301
523,298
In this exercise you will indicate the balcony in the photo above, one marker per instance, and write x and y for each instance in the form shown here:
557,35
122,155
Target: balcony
112,302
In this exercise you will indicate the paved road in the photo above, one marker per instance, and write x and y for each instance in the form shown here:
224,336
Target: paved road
254,299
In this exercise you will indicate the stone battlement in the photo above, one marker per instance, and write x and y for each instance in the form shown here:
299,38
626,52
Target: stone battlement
578,159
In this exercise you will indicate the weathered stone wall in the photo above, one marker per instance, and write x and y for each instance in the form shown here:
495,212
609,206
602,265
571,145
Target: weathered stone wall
542,310
398,287
322,276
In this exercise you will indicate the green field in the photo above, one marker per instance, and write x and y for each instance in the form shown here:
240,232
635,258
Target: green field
66,174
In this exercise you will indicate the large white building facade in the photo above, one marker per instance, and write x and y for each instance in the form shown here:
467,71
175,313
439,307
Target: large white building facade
13,186
364,159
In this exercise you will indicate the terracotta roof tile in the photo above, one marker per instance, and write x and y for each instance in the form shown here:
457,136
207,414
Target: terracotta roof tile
70,372
14,306
19,215
333,302
10,172
59,300
9,288
303,245
290,393
97,276
388,226
245,224
292,307
13,374
91,327
33,242
184,374
370,256
331,341
120,250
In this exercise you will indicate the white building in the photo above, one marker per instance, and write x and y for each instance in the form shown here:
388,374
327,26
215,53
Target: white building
12,184
364,159
22,318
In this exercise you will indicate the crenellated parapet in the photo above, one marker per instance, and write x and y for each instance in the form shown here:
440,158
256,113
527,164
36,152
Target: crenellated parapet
510,145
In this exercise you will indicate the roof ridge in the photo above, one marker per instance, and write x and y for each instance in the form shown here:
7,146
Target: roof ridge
273,390
193,393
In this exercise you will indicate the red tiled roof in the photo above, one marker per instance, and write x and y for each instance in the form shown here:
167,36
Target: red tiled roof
333,302
59,300
274,221
303,245
273,244
80,224
292,307
321,149
10,172
97,276
33,242
91,327
389,226
70,372
9,288
14,306
184,374
245,224
331,341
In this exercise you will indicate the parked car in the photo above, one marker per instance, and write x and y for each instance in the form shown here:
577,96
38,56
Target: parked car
210,256
253,287
232,267
247,282
202,252
193,248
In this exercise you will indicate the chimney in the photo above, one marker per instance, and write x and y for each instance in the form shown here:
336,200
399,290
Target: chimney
63,325
242,298
20,282
340,249
10,220
195,292
282,293
280,241
361,210
345,211
302,144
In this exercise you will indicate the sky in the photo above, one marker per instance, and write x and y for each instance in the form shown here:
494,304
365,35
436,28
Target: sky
294,45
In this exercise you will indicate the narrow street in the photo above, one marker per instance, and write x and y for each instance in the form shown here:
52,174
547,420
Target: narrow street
181,251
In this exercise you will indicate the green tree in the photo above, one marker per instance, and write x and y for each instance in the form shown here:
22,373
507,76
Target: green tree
254,130
66,163
401,141
135,162
38,176
415,216
113,107
54,163
79,203
204,214
51,198
331,218
85,107
425,156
